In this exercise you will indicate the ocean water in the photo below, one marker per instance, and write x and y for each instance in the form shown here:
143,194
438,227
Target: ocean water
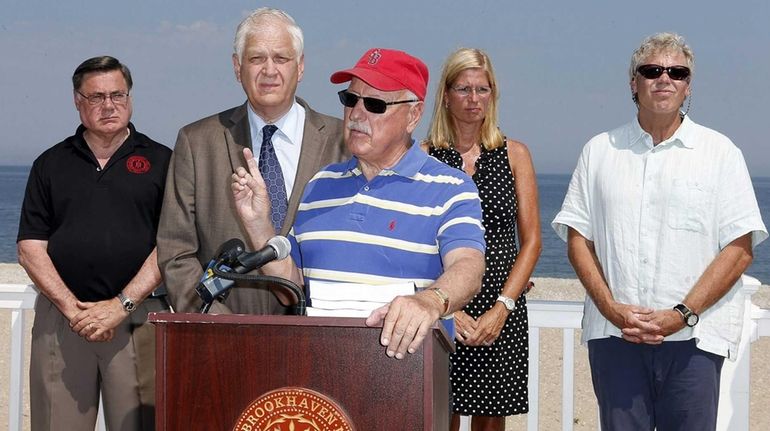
13,180
552,188
553,260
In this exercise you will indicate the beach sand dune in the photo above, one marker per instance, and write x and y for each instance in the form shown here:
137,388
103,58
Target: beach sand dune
585,416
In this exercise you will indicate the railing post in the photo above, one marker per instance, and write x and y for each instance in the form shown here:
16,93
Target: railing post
568,379
16,389
735,385
533,386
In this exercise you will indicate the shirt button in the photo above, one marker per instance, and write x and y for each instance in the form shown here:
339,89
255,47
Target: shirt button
98,169
644,260
366,188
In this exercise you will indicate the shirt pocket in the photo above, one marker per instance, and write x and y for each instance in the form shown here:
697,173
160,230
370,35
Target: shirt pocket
690,203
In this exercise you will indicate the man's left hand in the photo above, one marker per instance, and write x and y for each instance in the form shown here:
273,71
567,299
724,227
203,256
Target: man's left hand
97,320
405,322
668,321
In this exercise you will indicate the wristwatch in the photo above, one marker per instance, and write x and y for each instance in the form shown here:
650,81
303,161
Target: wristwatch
443,297
128,304
509,303
690,319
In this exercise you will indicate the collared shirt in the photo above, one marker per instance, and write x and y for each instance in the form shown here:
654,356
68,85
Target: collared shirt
658,216
287,140
100,223
395,228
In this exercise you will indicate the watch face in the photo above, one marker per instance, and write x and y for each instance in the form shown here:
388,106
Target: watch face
129,305
692,320
509,303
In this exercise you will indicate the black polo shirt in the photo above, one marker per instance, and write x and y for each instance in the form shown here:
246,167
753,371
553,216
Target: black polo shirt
100,224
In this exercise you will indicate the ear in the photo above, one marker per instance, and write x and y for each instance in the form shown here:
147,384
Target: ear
415,113
632,84
75,100
300,67
237,67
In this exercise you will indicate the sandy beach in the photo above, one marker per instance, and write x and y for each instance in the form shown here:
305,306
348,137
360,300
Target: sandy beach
550,362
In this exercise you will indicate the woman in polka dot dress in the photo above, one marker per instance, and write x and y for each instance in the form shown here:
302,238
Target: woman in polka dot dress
490,366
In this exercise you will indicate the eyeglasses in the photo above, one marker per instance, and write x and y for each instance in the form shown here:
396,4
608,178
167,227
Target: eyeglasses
653,71
466,91
372,104
95,99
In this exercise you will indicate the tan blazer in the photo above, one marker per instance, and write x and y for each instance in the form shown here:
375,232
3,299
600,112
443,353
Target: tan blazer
198,213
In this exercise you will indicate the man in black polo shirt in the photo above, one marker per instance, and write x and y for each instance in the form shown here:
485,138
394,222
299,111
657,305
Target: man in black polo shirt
87,241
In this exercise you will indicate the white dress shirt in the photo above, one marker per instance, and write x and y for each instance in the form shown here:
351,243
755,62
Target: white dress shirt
658,216
287,141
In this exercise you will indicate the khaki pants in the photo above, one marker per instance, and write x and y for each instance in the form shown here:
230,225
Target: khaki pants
68,373
144,344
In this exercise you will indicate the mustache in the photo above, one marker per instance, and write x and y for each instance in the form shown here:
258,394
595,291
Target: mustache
358,126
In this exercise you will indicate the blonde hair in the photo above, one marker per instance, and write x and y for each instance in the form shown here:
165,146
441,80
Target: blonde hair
661,42
442,133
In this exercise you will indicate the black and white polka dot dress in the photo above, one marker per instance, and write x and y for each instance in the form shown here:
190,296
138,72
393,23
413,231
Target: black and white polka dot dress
492,381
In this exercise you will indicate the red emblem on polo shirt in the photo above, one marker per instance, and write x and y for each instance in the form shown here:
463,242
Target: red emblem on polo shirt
138,165
392,225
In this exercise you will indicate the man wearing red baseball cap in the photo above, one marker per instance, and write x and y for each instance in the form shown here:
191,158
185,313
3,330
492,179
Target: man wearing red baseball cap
391,214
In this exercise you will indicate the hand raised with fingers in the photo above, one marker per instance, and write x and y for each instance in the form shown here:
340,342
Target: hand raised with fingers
250,193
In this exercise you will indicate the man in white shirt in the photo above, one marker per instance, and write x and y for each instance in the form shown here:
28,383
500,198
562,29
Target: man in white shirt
660,219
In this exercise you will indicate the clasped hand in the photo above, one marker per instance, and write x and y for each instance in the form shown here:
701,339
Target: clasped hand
645,325
482,331
97,321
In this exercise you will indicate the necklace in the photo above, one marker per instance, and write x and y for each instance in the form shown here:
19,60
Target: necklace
470,157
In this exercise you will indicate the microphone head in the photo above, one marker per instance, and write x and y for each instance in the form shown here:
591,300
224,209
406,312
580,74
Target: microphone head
230,250
281,245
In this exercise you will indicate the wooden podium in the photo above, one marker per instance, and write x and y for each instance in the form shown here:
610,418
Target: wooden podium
209,369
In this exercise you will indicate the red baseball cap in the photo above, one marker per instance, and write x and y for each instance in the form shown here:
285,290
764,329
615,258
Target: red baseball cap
388,70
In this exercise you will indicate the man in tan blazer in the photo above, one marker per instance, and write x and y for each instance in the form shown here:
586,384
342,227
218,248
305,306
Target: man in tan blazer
198,213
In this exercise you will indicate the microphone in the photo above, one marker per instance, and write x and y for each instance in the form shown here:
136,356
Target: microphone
213,286
277,248
226,253
229,251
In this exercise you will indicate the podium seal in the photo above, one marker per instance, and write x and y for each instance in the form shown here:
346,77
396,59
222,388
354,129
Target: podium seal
293,408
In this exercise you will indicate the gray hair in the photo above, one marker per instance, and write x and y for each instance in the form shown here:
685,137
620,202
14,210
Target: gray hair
661,42
261,16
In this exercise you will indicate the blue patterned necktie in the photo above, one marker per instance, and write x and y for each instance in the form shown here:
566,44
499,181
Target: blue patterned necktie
271,172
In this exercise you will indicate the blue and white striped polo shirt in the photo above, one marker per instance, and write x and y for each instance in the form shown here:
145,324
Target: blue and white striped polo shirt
395,228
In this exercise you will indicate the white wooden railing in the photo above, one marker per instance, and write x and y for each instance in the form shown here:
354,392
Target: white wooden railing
17,298
565,315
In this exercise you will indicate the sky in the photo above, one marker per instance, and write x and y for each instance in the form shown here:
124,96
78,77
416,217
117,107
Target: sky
561,65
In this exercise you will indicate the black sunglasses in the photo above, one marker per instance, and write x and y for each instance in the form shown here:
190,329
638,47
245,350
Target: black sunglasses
372,104
653,71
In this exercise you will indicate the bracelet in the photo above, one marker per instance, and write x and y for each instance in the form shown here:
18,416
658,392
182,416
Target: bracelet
443,297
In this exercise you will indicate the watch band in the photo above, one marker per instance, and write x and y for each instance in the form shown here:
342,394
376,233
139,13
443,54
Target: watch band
510,303
690,319
443,297
127,303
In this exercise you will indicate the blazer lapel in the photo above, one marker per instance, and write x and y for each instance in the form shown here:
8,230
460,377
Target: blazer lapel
237,136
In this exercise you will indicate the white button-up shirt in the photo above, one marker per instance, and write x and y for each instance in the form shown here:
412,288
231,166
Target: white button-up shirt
287,141
658,216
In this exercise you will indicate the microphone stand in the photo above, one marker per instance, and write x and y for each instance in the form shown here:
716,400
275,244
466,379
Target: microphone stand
298,308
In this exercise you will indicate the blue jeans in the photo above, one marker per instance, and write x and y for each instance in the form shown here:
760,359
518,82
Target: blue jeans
670,386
